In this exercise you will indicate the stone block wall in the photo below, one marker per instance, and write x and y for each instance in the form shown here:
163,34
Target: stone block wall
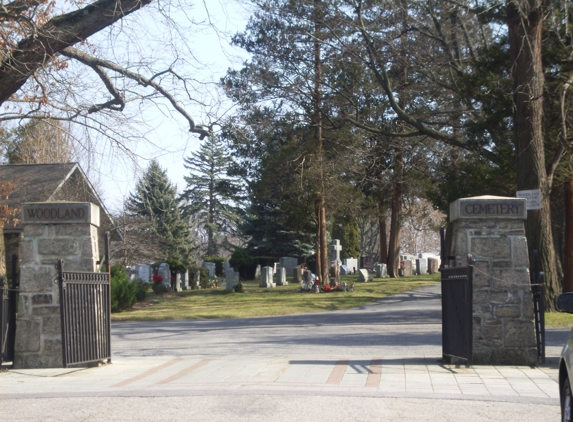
38,332
503,329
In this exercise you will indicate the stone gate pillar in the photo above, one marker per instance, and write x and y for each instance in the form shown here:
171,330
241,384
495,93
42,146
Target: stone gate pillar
52,231
492,229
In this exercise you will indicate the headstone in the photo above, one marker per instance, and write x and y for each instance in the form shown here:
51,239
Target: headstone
185,280
288,263
363,276
197,281
165,273
381,270
210,267
307,280
229,280
227,266
433,265
407,268
336,248
258,272
351,263
334,274
297,275
504,332
178,282
421,266
143,272
345,270
281,277
275,268
366,262
267,277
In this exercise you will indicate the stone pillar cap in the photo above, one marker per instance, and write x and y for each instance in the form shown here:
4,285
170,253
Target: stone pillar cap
488,207
60,212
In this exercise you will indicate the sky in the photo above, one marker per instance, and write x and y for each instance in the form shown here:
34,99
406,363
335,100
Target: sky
170,141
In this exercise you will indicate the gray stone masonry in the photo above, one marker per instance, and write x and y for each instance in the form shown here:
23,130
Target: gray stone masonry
281,277
363,276
491,229
421,266
45,241
229,280
289,263
297,275
267,277
407,270
381,270
433,265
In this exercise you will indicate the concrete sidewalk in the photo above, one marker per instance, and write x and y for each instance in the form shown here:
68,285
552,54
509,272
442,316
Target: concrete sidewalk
370,377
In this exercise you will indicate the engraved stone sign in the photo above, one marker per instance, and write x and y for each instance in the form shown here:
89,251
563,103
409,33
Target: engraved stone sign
488,207
60,213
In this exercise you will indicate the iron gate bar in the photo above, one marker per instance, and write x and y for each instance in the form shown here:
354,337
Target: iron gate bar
538,292
86,334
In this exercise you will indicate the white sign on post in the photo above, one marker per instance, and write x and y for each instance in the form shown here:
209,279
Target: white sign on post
533,197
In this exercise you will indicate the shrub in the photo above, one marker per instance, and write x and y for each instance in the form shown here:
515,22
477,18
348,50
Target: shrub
204,274
123,291
219,264
241,259
159,288
141,292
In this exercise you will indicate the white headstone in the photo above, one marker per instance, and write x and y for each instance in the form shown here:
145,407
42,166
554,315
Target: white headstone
178,282
381,270
229,280
281,277
352,263
422,266
363,276
227,266
267,277
165,273
143,272
275,267
345,270
185,280
336,248
258,272
210,267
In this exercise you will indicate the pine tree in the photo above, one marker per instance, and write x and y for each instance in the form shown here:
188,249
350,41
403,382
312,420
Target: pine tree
213,197
155,199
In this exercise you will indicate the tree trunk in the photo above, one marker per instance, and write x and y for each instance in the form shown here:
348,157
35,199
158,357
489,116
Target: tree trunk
383,240
567,283
395,223
525,20
318,237
2,253
323,272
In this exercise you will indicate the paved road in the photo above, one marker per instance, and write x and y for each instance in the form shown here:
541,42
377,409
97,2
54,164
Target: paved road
406,325
377,362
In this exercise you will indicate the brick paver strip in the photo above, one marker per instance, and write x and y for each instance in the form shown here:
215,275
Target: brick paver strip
146,373
338,372
185,371
373,379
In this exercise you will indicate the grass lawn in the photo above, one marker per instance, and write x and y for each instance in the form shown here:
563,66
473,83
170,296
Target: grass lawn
257,302
558,320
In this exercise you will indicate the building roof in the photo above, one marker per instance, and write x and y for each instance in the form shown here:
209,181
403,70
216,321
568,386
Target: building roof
51,182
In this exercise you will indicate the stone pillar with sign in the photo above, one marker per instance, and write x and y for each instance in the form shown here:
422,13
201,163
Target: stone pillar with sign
52,231
492,230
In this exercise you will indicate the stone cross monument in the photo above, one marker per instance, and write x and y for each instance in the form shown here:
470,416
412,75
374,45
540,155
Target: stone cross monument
52,231
336,248
492,230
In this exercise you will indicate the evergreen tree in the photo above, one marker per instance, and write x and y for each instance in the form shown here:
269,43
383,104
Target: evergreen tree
155,199
212,195
345,228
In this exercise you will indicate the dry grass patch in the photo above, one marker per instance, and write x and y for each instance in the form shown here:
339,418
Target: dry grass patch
258,302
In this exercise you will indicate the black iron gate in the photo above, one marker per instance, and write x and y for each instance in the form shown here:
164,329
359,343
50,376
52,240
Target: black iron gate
538,291
85,310
8,302
457,318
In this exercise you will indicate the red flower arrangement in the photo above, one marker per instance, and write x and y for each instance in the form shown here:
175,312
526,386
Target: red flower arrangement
157,278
